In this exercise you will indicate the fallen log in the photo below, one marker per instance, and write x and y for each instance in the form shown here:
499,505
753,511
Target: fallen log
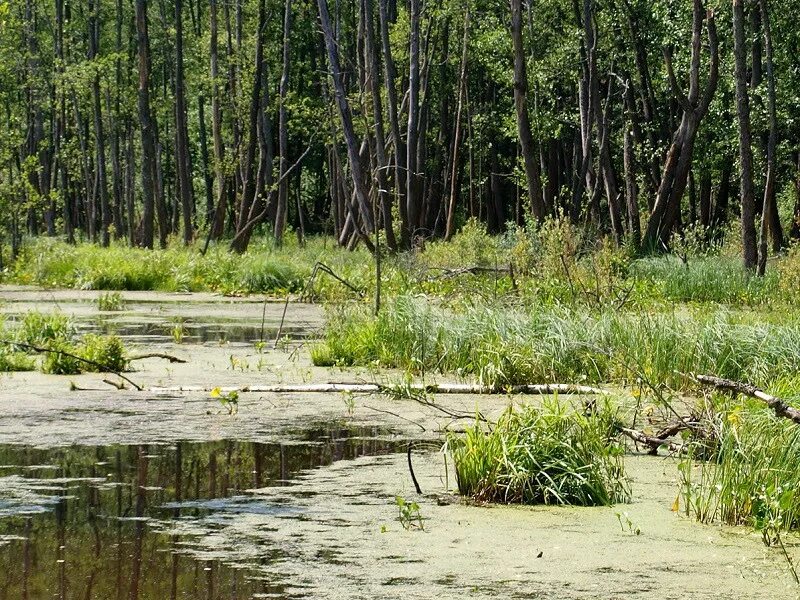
779,406
648,440
372,388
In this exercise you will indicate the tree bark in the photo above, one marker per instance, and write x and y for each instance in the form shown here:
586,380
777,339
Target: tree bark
412,131
678,162
532,175
361,206
181,131
745,150
283,133
146,126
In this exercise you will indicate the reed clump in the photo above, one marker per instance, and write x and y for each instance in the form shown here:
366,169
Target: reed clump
551,454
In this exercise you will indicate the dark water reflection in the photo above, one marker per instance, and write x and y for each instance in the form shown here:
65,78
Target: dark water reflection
89,522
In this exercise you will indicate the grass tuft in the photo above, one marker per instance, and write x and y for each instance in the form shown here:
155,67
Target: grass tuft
547,455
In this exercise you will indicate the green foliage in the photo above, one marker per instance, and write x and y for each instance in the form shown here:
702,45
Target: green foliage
505,345
408,514
548,455
752,477
40,329
61,360
110,301
11,360
106,350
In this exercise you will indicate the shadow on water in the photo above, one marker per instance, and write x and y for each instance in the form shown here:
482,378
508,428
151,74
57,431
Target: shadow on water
98,522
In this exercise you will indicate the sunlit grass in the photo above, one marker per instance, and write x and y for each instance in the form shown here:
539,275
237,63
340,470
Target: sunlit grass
552,454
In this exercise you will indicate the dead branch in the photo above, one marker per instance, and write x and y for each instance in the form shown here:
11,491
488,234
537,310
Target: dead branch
779,406
411,469
648,440
169,357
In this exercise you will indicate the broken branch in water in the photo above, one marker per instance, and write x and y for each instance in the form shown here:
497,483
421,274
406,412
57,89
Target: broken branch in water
169,357
411,469
779,406
652,441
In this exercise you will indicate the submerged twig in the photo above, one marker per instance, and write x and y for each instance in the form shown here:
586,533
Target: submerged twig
411,469
169,357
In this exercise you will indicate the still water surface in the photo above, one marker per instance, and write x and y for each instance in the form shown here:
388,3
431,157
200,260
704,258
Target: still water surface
87,522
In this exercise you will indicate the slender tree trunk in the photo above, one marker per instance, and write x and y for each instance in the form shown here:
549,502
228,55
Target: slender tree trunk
218,223
239,243
283,132
361,194
745,150
377,116
462,84
146,127
99,136
412,130
390,75
181,131
532,175
770,216
694,106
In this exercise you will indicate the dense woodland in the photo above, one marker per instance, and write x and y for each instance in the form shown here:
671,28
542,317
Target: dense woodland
393,122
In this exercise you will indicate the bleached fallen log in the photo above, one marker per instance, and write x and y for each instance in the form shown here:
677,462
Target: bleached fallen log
779,406
374,388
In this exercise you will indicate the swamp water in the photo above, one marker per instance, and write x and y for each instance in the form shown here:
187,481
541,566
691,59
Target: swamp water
266,504
140,521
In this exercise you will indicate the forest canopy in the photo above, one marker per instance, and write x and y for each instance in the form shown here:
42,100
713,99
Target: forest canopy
147,120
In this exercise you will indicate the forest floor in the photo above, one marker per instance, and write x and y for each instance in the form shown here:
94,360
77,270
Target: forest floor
294,495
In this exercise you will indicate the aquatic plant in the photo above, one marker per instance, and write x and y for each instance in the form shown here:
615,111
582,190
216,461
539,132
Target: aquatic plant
110,301
751,477
551,454
42,329
408,514
510,344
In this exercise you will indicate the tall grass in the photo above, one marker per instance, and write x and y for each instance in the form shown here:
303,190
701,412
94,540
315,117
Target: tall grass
706,279
505,345
752,478
547,455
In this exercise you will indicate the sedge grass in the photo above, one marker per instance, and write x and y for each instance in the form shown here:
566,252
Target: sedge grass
506,345
551,454
751,478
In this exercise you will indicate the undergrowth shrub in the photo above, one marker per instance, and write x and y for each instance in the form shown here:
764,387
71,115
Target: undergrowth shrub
548,455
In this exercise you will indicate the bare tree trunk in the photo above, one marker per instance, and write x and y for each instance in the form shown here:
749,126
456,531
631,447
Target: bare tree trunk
769,218
462,85
181,131
239,243
99,136
745,149
394,122
361,204
532,175
412,130
377,116
146,126
283,133
218,223
678,162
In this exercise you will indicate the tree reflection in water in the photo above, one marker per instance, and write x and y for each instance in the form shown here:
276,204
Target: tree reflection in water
88,522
